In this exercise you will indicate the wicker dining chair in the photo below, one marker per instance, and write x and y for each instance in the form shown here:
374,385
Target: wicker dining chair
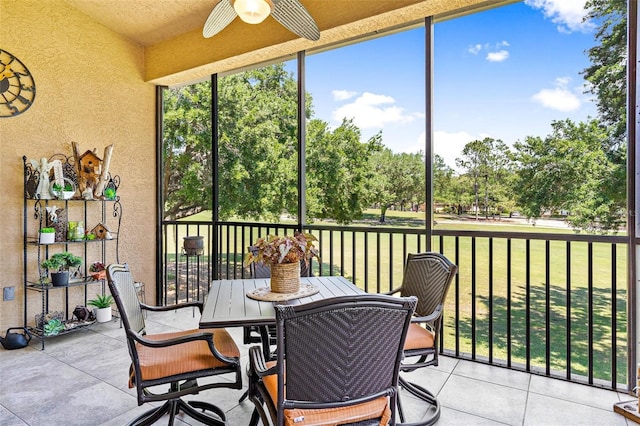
342,362
178,359
427,277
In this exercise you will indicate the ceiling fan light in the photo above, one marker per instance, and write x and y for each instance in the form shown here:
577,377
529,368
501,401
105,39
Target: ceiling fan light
253,11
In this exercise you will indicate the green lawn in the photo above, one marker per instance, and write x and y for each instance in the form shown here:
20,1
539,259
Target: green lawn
385,254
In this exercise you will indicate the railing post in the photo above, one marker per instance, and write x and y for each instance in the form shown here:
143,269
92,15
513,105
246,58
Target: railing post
215,188
428,140
159,199
633,201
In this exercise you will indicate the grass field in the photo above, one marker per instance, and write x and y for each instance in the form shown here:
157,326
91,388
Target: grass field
489,308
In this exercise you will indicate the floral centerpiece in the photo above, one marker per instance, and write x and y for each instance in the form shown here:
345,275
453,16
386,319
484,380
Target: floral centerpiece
282,249
283,254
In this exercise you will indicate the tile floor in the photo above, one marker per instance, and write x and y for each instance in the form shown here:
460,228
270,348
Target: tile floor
81,379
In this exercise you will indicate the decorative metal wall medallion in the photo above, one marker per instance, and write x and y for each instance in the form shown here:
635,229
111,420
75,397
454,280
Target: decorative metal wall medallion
17,88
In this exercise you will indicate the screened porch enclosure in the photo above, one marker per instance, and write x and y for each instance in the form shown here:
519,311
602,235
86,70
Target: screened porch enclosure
553,304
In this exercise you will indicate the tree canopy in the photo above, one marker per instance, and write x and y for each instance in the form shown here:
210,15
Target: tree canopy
568,171
258,161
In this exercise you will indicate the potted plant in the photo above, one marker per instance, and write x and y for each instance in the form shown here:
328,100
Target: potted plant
283,254
53,327
110,193
58,265
63,189
102,303
47,235
98,271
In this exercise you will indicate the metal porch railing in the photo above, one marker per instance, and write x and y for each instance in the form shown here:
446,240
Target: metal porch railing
547,303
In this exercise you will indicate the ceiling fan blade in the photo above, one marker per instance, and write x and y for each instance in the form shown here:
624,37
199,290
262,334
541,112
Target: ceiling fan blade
221,16
294,17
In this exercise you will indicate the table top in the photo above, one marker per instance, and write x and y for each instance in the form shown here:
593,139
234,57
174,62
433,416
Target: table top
227,304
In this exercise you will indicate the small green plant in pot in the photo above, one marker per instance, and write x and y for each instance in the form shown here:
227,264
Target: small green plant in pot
53,327
58,266
47,235
64,189
110,193
102,303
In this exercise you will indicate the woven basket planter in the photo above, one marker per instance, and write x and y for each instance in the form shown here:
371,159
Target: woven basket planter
285,277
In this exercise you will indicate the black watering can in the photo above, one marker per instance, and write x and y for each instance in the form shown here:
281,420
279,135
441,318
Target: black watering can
15,340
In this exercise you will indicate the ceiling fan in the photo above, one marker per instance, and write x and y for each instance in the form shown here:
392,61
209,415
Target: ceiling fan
290,13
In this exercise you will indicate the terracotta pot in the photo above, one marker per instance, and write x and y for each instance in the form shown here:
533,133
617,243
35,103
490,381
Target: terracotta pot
100,275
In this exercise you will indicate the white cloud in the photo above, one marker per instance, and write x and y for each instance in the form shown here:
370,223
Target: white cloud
567,14
372,111
475,49
343,95
449,145
495,52
559,98
497,56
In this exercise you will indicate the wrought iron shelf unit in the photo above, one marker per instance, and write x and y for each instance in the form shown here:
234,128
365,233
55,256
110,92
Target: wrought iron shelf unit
101,216
72,326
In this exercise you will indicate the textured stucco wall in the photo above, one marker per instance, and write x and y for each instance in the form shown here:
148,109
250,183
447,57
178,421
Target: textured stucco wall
90,90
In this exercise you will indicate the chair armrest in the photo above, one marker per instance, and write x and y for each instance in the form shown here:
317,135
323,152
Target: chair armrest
204,335
207,336
257,364
394,291
195,304
431,317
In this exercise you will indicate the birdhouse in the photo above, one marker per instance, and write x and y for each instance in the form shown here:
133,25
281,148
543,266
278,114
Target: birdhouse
101,232
89,170
90,163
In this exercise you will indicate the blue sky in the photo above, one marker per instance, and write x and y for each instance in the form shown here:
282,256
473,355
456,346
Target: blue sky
505,73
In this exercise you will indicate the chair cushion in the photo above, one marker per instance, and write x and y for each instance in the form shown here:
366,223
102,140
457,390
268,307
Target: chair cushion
418,338
156,363
378,408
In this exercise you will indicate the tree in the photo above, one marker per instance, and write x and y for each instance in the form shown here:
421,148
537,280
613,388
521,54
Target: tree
381,184
186,150
607,73
442,181
463,194
258,166
398,179
486,162
338,174
569,170
258,144
409,178
607,76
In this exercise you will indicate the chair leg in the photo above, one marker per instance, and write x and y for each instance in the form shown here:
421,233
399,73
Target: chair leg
190,408
399,409
423,394
152,416
259,411
255,416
